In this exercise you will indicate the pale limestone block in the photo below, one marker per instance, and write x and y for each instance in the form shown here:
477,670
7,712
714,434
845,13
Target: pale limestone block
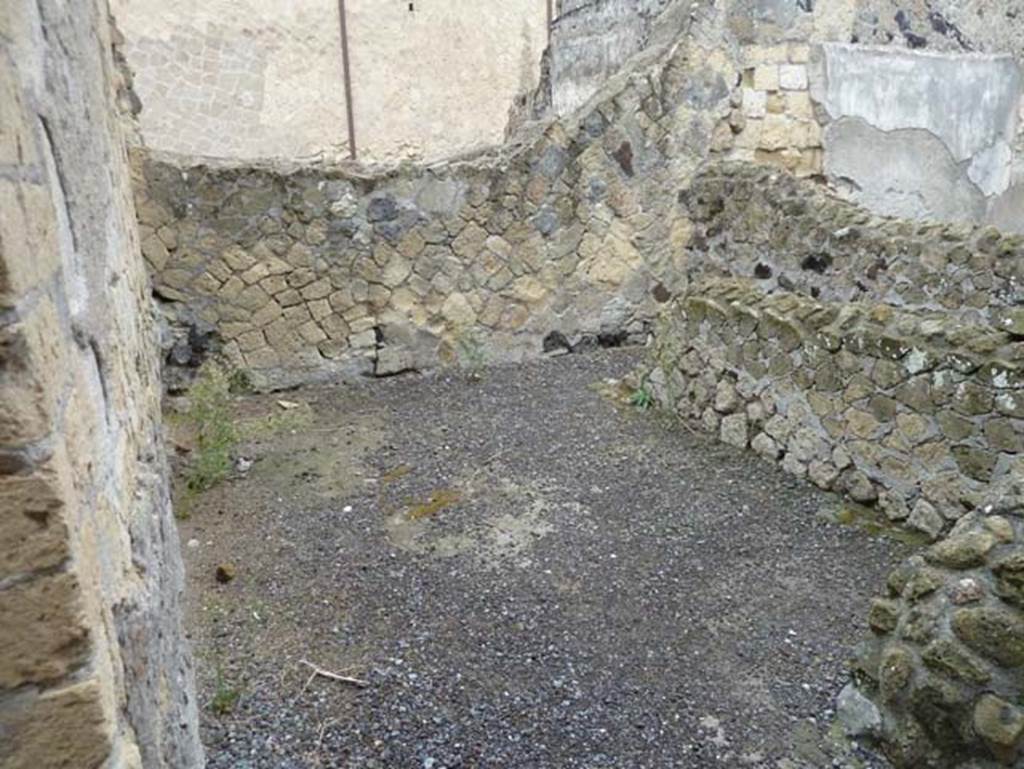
766,77
754,103
799,105
799,53
793,77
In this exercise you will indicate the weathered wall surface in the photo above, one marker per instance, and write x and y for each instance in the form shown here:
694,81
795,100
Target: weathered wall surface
237,79
440,81
591,41
939,684
919,135
304,272
907,114
349,263
240,81
261,79
94,669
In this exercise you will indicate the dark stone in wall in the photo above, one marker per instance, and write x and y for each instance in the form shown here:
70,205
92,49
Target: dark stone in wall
818,263
624,156
661,294
382,209
556,341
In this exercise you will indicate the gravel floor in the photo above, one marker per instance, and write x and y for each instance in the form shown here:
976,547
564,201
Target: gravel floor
528,573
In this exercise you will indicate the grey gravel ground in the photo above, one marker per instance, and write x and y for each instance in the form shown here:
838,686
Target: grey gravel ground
528,574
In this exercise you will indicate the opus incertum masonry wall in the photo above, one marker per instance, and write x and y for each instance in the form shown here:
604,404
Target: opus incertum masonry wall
885,360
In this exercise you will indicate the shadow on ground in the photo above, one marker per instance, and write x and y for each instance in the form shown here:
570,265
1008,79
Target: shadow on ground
528,574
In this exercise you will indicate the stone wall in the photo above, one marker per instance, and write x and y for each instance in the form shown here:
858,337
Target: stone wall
94,669
582,217
917,411
939,684
875,356
794,235
884,360
259,79
773,121
566,237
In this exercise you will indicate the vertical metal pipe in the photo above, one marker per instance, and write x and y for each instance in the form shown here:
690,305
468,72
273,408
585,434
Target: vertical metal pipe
349,110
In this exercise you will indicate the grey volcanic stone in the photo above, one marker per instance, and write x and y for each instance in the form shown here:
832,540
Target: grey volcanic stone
857,714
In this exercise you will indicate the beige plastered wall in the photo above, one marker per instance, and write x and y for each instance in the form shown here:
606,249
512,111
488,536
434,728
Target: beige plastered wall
264,79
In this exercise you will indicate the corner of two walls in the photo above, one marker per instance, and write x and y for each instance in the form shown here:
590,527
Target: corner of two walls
95,669
307,272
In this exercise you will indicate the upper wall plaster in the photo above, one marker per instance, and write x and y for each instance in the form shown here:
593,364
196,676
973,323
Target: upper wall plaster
918,134
969,102
250,79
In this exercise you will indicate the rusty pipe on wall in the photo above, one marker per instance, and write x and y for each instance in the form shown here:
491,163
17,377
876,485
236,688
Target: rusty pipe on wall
347,74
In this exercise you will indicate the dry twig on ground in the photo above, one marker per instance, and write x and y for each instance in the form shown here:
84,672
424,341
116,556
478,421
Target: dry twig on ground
319,671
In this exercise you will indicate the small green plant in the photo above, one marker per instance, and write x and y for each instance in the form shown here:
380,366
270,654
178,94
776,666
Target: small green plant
240,382
472,357
209,415
225,696
641,397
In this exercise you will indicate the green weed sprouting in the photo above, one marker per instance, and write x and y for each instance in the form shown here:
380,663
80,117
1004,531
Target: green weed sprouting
472,357
641,397
225,696
209,415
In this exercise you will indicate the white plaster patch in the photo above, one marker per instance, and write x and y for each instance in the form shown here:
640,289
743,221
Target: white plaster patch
793,77
969,101
916,361
755,103
990,169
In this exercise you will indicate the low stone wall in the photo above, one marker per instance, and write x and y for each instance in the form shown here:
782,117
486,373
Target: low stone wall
792,235
923,415
305,275
939,684
914,410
